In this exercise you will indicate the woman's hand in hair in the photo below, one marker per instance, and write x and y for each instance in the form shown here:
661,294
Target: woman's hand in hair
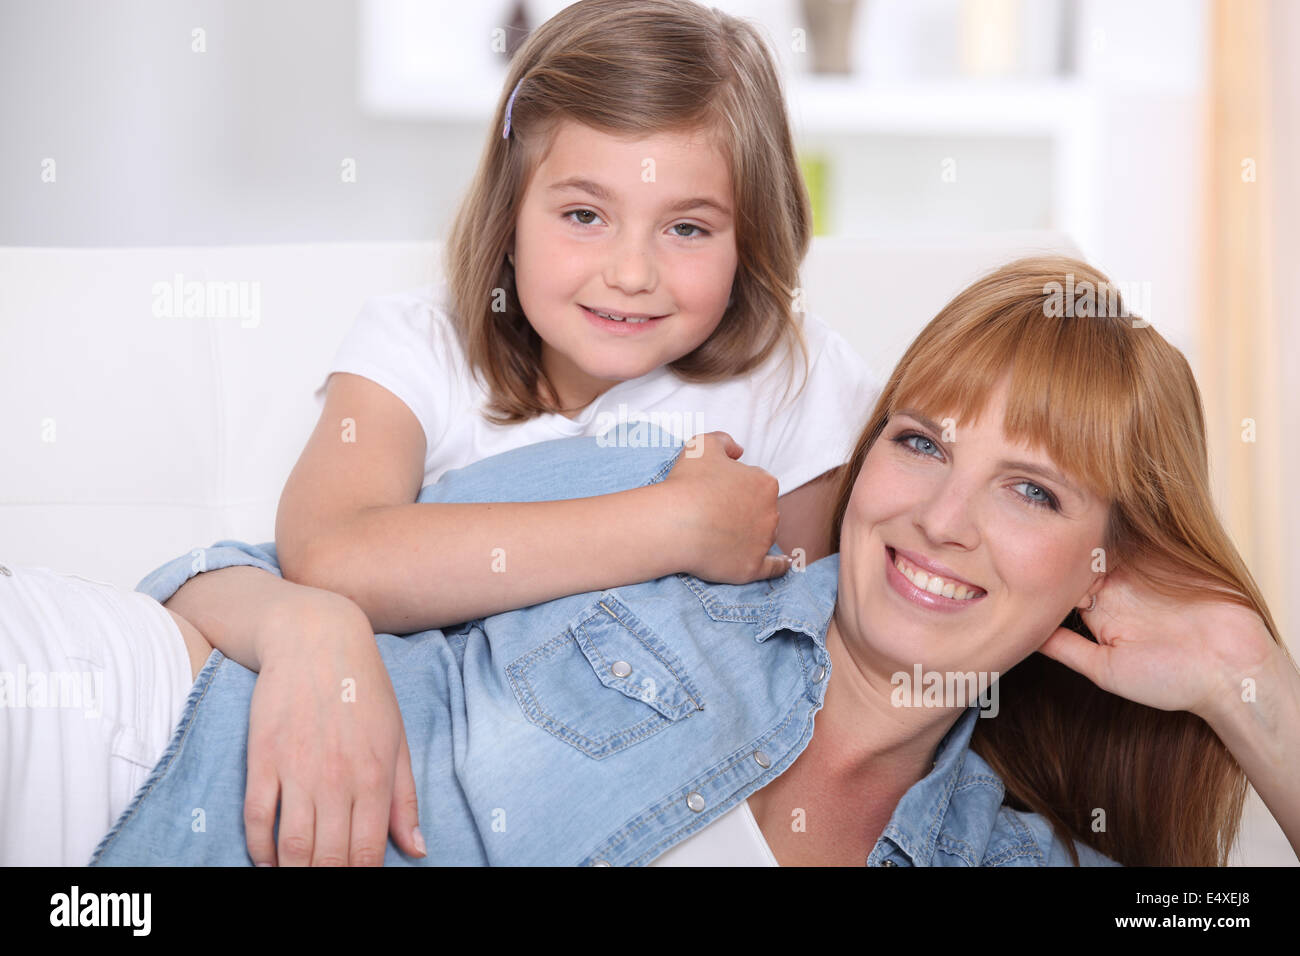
1211,657
1167,653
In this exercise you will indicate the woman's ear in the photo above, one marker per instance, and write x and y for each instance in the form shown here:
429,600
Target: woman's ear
1089,600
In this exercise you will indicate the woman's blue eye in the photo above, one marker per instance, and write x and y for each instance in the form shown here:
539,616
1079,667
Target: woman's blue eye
1038,495
698,234
924,446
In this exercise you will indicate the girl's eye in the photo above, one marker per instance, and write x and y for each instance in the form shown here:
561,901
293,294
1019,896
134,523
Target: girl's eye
700,232
924,446
578,212
1038,495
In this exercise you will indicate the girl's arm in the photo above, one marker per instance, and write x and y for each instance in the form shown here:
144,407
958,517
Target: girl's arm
806,516
337,769
347,523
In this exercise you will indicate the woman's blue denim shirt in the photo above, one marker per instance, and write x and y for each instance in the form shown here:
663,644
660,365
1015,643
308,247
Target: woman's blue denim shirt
597,729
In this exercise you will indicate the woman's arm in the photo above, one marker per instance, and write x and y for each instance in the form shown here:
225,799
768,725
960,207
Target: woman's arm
1257,716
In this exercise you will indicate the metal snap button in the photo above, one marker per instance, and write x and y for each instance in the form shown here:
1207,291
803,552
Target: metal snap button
818,674
889,863
620,668
762,759
695,801
601,863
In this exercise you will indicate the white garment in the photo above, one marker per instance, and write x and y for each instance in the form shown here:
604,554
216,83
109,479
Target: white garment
406,343
733,839
93,679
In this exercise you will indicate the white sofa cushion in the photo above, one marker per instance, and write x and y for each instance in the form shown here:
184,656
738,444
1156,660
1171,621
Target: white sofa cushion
131,437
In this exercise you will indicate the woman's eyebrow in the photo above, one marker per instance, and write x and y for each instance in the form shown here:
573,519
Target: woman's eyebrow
606,195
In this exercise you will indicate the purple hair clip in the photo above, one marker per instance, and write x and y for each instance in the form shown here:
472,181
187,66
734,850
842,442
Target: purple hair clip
510,106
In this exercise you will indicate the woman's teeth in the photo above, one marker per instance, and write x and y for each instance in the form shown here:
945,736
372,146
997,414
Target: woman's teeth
935,584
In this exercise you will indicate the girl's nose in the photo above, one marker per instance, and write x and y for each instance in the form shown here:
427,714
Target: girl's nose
632,267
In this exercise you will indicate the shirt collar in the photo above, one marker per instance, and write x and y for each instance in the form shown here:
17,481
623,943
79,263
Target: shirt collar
946,798
802,601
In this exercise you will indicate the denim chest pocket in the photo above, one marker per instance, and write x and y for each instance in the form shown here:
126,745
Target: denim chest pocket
604,683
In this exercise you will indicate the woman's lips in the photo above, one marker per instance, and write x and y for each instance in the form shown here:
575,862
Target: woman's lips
921,597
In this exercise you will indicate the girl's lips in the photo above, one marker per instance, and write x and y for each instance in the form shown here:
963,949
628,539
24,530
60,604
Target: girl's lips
619,328
922,598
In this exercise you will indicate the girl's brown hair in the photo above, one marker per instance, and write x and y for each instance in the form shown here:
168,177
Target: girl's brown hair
628,68
1115,405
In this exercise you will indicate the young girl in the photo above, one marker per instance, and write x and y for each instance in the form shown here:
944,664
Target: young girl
629,249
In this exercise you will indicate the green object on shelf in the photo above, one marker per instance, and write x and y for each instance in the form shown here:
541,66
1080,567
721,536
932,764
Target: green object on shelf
815,176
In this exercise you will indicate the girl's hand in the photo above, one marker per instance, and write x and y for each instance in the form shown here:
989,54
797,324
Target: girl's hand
733,509
1166,653
326,743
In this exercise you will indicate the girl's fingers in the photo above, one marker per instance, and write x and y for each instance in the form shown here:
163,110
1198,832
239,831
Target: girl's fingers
775,565
297,835
369,836
260,798
731,445
404,811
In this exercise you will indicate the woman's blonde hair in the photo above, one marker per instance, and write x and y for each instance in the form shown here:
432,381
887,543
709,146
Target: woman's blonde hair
1115,405
635,67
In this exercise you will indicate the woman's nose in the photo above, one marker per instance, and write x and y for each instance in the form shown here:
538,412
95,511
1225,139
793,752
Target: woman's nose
947,517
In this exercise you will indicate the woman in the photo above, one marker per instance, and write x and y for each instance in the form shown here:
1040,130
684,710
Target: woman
1019,467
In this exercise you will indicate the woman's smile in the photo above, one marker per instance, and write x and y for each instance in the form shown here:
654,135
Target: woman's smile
926,589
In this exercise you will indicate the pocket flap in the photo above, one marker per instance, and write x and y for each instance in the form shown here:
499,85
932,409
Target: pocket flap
629,657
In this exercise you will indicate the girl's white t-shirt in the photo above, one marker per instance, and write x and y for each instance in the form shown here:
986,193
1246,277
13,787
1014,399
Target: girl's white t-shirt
407,343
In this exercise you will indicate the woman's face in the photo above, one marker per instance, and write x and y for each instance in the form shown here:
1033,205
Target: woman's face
639,226
1010,538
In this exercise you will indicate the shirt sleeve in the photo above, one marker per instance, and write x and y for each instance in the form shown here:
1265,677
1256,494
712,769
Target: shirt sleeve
161,583
580,467
814,430
405,344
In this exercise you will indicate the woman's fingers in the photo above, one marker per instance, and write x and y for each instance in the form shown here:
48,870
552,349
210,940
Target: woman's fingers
404,812
1077,653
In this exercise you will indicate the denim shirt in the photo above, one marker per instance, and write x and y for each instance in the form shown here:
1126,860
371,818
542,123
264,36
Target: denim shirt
597,729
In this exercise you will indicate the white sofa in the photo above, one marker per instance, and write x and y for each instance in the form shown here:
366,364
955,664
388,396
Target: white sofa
129,437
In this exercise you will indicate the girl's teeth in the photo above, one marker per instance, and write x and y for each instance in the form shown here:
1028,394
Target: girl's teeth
619,318
932,583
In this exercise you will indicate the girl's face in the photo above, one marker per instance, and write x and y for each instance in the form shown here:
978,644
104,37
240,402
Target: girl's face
987,517
639,226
